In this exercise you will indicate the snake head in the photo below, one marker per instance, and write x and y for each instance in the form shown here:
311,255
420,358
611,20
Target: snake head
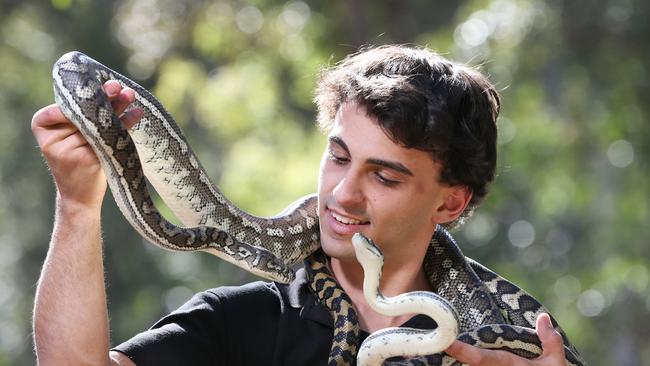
367,251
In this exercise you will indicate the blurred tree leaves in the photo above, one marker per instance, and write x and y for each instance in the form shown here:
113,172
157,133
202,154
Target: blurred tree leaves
566,218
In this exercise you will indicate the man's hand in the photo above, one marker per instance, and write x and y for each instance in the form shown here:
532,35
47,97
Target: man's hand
552,346
79,178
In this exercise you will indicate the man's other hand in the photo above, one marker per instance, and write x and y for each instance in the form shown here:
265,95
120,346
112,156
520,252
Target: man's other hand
552,350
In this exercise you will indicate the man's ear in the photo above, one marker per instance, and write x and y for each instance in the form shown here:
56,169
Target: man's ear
454,204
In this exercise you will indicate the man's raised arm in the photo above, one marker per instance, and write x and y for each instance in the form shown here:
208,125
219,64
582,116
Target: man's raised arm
70,312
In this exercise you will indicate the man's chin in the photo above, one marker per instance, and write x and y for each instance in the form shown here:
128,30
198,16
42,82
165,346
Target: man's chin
339,249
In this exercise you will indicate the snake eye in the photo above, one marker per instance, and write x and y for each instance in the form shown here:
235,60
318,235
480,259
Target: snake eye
366,242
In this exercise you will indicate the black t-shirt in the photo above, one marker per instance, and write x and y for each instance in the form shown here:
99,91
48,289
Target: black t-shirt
261,323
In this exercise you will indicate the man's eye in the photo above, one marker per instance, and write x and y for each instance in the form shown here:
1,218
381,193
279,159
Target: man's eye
386,181
340,160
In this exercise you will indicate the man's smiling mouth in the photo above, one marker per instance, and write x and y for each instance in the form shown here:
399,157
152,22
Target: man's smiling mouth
346,220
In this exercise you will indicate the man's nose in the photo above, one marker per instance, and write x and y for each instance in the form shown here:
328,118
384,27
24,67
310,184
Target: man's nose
348,191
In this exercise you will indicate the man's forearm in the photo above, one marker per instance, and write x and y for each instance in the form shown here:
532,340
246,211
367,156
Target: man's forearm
70,313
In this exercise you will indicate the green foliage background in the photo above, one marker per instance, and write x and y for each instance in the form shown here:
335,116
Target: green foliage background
567,216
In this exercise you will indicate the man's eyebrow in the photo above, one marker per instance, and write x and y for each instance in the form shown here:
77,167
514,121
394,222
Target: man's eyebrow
339,141
393,165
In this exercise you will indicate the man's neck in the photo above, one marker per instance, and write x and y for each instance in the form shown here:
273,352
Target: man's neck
396,279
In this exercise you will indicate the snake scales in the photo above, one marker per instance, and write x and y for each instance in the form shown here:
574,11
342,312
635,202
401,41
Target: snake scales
492,312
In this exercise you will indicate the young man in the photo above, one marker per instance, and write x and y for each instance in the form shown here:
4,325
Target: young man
411,146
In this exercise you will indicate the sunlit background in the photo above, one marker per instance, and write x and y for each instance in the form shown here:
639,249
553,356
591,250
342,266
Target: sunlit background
567,216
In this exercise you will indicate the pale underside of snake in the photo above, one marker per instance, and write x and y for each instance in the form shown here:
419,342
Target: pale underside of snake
408,341
492,312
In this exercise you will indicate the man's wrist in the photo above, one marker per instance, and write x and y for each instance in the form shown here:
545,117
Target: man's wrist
74,209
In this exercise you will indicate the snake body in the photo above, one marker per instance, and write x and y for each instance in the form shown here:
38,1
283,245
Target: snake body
408,341
214,224
492,312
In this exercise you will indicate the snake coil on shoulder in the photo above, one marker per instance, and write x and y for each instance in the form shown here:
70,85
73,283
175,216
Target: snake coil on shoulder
492,312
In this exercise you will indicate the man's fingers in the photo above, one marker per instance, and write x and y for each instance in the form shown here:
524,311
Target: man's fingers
58,149
49,125
75,140
475,356
461,351
48,116
112,88
121,99
130,118
552,345
471,355
552,349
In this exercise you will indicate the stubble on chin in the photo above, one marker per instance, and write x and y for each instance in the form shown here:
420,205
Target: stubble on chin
339,249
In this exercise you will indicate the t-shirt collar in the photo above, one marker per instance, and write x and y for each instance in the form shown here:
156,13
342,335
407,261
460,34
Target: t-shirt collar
300,297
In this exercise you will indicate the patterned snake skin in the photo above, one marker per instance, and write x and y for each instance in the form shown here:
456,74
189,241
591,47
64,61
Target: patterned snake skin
493,312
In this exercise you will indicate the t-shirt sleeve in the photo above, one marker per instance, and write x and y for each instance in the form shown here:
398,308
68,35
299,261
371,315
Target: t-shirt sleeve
191,335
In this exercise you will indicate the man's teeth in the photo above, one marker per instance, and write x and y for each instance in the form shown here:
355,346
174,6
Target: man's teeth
346,220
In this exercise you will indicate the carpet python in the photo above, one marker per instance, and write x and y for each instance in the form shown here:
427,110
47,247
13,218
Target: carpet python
490,312
404,341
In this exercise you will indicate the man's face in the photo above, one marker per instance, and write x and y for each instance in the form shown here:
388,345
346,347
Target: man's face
370,184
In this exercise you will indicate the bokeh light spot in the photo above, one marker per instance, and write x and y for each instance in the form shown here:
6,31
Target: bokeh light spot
249,20
521,234
474,32
296,14
637,278
591,303
480,229
620,153
506,131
